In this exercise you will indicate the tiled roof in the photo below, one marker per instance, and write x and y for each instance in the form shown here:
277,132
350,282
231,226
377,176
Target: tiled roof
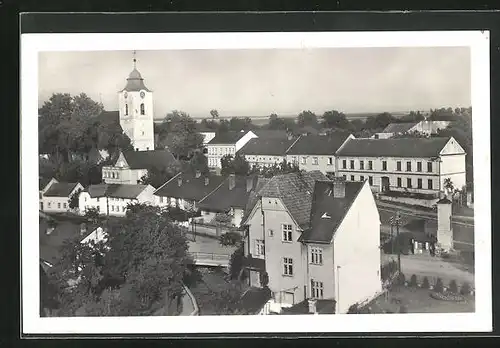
399,127
147,159
318,144
116,190
400,147
322,228
42,182
135,82
323,306
262,146
254,197
192,188
254,299
222,198
270,134
227,138
295,191
60,189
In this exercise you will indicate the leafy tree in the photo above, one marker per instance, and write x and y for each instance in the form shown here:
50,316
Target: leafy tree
380,121
438,287
425,283
237,124
237,165
224,126
335,119
307,118
448,185
236,262
465,289
228,300
214,113
210,124
92,215
282,168
453,286
73,200
413,134
199,162
157,176
413,117
179,134
230,238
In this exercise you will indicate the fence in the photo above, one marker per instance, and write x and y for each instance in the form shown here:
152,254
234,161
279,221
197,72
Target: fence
198,256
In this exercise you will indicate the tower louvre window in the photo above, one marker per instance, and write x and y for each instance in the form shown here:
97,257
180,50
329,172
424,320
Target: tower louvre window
126,109
142,109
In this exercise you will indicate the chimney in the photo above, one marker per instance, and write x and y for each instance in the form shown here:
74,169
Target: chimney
290,136
207,180
250,180
179,181
232,181
197,174
338,186
312,306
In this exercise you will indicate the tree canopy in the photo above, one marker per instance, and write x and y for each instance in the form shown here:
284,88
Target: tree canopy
142,263
237,165
335,119
307,118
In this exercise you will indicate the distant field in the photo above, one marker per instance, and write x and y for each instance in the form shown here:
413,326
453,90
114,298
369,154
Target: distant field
260,120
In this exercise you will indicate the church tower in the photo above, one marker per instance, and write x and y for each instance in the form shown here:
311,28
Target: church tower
136,111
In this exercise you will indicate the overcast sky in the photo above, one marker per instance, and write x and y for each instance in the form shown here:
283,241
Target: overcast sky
259,82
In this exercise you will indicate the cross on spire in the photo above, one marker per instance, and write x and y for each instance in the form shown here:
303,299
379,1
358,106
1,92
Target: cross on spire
135,60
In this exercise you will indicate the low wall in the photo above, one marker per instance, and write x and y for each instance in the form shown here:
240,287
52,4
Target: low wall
428,203
193,301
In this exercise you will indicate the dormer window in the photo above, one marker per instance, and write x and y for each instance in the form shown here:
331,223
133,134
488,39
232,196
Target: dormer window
325,216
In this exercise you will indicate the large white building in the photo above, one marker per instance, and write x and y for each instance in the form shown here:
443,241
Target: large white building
317,152
405,165
55,196
226,143
307,233
135,106
113,199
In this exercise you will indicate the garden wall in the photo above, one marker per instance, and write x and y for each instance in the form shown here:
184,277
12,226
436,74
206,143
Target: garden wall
428,203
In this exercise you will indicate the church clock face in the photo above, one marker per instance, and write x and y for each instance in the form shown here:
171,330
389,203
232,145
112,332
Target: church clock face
142,94
125,95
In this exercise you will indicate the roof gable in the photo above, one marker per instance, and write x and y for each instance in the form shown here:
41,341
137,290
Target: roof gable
452,147
393,147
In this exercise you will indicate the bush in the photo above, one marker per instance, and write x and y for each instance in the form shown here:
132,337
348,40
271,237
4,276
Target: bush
401,279
438,287
465,289
413,280
264,279
425,283
353,309
236,262
453,286
403,309
230,238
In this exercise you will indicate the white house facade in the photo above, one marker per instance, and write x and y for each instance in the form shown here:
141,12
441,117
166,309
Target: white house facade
113,199
55,199
227,143
414,165
317,152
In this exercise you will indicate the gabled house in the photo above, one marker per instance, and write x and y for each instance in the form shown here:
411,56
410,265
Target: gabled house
226,143
316,239
426,127
265,152
113,199
43,185
404,165
317,152
230,197
186,189
131,166
56,195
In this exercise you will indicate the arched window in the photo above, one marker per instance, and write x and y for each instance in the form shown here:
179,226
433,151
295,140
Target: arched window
142,109
126,109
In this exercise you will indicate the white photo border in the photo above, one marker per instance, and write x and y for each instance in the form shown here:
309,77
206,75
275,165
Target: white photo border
480,321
